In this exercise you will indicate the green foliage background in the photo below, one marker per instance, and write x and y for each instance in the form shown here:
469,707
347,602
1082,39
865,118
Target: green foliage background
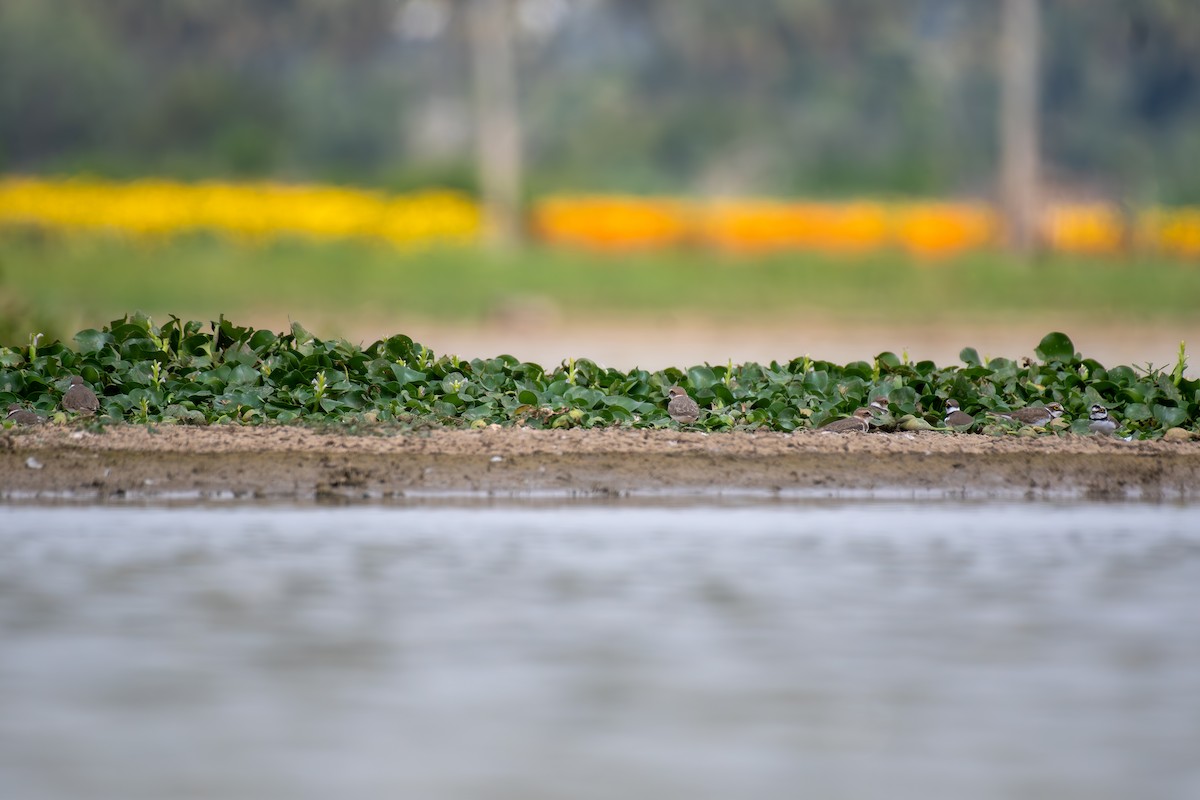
768,96
188,372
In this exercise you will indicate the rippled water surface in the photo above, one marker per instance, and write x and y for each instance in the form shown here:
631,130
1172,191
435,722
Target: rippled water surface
846,650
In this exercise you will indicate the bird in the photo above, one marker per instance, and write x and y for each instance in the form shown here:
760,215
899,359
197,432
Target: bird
955,416
1101,422
858,421
79,398
23,416
681,407
879,404
1034,415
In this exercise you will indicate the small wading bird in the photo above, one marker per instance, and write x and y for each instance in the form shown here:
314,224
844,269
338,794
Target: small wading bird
955,416
881,415
79,398
682,408
1101,422
1034,415
23,416
858,421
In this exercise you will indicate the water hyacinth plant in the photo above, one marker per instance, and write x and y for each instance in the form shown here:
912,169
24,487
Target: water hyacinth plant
219,372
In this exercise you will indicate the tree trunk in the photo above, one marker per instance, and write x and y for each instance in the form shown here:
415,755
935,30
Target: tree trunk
497,123
1019,123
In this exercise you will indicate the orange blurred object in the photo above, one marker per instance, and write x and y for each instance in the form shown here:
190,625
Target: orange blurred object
1092,228
612,223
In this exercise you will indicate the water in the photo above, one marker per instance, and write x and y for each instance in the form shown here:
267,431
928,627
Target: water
837,650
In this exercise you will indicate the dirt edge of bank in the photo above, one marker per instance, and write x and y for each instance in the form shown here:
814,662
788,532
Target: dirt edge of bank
51,464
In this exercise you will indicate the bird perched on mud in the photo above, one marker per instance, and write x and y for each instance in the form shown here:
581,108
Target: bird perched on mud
80,398
1034,415
23,416
955,416
859,421
681,407
1101,422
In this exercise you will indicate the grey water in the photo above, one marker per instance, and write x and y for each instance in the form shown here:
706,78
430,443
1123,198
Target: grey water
698,650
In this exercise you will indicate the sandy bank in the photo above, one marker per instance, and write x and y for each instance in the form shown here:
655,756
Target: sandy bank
289,463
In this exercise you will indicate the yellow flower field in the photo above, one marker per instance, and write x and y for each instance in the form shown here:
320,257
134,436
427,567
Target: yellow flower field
1084,228
158,208
150,208
1172,230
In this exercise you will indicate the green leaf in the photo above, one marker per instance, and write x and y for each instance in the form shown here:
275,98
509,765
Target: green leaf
582,397
888,359
142,319
1169,416
817,382
406,376
123,331
859,369
722,391
970,357
399,347
701,377
261,340
179,412
906,398
92,340
12,382
1135,412
299,334
627,403
1080,426
1122,375
242,375
330,405
454,383
1055,347
557,388
135,349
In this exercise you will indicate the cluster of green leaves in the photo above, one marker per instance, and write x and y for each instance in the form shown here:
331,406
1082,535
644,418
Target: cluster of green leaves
194,373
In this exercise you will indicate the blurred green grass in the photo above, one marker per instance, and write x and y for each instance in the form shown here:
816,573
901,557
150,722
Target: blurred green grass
59,284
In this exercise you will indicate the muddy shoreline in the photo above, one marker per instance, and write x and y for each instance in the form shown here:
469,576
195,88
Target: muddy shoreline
283,463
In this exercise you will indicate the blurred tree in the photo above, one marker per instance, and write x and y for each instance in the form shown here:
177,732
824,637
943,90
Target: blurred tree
829,97
65,83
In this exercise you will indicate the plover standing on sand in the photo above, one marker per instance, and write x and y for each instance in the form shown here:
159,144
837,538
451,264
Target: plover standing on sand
683,409
1101,422
1034,415
955,416
79,398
